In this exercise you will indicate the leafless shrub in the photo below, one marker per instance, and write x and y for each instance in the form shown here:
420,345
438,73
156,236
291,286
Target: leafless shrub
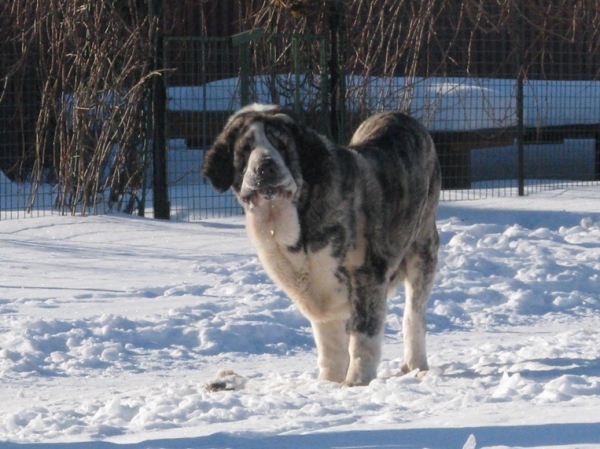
429,38
92,60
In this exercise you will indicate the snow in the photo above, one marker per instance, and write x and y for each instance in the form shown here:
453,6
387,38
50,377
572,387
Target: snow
111,326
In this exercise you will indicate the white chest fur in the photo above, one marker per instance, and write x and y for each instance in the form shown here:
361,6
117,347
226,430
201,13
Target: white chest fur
309,278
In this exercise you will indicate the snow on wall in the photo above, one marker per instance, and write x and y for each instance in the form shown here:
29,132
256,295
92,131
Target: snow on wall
443,104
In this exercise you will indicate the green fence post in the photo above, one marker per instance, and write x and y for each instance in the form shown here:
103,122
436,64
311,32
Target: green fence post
245,73
326,129
296,56
520,73
242,40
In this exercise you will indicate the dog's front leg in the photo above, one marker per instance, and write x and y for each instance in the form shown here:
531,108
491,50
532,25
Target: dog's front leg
332,346
366,327
365,353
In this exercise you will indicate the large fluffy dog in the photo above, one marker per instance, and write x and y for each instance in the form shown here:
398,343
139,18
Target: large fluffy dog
338,228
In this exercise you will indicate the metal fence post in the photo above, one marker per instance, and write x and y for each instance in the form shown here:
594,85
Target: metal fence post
324,83
597,168
336,88
520,136
244,73
159,104
520,72
242,40
296,59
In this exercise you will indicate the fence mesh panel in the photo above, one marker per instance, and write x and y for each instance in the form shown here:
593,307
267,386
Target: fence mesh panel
207,81
202,91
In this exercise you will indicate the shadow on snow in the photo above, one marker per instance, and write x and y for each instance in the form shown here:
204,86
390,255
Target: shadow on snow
433,438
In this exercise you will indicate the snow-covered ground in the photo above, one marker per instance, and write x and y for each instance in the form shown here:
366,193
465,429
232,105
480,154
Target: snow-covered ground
110,327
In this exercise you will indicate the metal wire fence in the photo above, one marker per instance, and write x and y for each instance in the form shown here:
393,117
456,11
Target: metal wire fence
474,121
210,78
202,91
510,92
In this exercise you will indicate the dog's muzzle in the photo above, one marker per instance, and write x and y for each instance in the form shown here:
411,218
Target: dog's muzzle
267,180
267,173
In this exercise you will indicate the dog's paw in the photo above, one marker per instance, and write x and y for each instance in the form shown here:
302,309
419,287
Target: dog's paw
226,380
347,383
407,368
417,373
355,383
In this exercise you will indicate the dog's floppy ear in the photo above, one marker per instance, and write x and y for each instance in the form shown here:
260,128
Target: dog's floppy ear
218,166
218,161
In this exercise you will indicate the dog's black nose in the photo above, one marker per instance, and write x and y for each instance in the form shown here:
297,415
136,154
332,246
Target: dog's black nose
267,171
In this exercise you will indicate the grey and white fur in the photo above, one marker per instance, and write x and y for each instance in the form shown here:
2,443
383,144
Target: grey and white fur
339,228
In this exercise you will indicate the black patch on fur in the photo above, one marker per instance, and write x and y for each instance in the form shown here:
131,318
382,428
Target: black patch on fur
314,156
369,295
367,314
377,266
218,164
333,234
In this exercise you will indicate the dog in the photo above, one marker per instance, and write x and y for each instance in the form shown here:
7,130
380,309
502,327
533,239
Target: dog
339,228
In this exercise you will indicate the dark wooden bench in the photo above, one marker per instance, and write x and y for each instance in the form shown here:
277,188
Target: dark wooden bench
454,147
200,128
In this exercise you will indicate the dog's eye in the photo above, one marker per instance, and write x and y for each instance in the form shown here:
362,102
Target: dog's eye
276,136
274,131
